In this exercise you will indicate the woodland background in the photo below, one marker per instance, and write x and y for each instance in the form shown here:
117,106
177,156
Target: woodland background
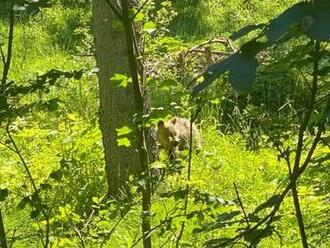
262,177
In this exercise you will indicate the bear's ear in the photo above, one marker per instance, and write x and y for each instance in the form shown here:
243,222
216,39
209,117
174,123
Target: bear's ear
160,124
174,120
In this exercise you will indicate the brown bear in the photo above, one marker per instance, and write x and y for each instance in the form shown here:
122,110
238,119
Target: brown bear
173,135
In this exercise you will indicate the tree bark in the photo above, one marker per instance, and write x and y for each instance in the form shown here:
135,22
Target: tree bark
3,239
117,108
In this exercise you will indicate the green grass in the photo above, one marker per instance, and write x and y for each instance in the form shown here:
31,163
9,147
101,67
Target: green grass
222,162
71,135
220,18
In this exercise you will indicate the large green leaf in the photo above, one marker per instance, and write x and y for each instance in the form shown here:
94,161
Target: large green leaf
214,71
272,201
245,30
320,28
25,200
178,194
217,242
281,24
242,73
255,236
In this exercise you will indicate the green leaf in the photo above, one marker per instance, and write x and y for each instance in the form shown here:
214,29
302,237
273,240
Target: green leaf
320,25
78,74
45,186
219,242
252,48
321,159
123,131
272,201
207,227
22,204
34,214
178,194
281,24
324,71
228,215
51,105
139,17
56,175
254,237
242,74
142,183
120,80
3,194
149,27
213,72
184,243
207,198
245,30
124,142
223,220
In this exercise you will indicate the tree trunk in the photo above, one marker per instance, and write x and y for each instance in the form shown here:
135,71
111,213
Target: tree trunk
117,105
3,240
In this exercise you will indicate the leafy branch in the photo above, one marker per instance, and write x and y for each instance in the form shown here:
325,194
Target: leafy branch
39,205
308,18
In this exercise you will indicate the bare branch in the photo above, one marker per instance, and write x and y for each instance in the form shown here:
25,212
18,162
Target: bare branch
241,205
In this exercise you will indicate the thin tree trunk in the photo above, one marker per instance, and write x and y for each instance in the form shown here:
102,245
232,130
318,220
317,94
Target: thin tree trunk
300,144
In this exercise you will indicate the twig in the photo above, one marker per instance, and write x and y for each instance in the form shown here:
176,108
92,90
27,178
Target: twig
285,154
163,222
140,9
148,233
82,242
220,40
242,207
113,229
10,44
185,208
27,170
89,219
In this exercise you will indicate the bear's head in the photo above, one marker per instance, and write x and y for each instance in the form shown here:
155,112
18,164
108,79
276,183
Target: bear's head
167,134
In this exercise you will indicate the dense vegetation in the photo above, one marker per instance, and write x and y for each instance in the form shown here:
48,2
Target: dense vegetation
52,179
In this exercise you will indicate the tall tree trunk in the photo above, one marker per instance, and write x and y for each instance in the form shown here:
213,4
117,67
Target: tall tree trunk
117,108
116,52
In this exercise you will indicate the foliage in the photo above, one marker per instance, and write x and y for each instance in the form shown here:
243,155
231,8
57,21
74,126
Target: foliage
309,18
51,102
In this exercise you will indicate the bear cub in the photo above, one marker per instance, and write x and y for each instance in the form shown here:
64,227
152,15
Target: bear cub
173,135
